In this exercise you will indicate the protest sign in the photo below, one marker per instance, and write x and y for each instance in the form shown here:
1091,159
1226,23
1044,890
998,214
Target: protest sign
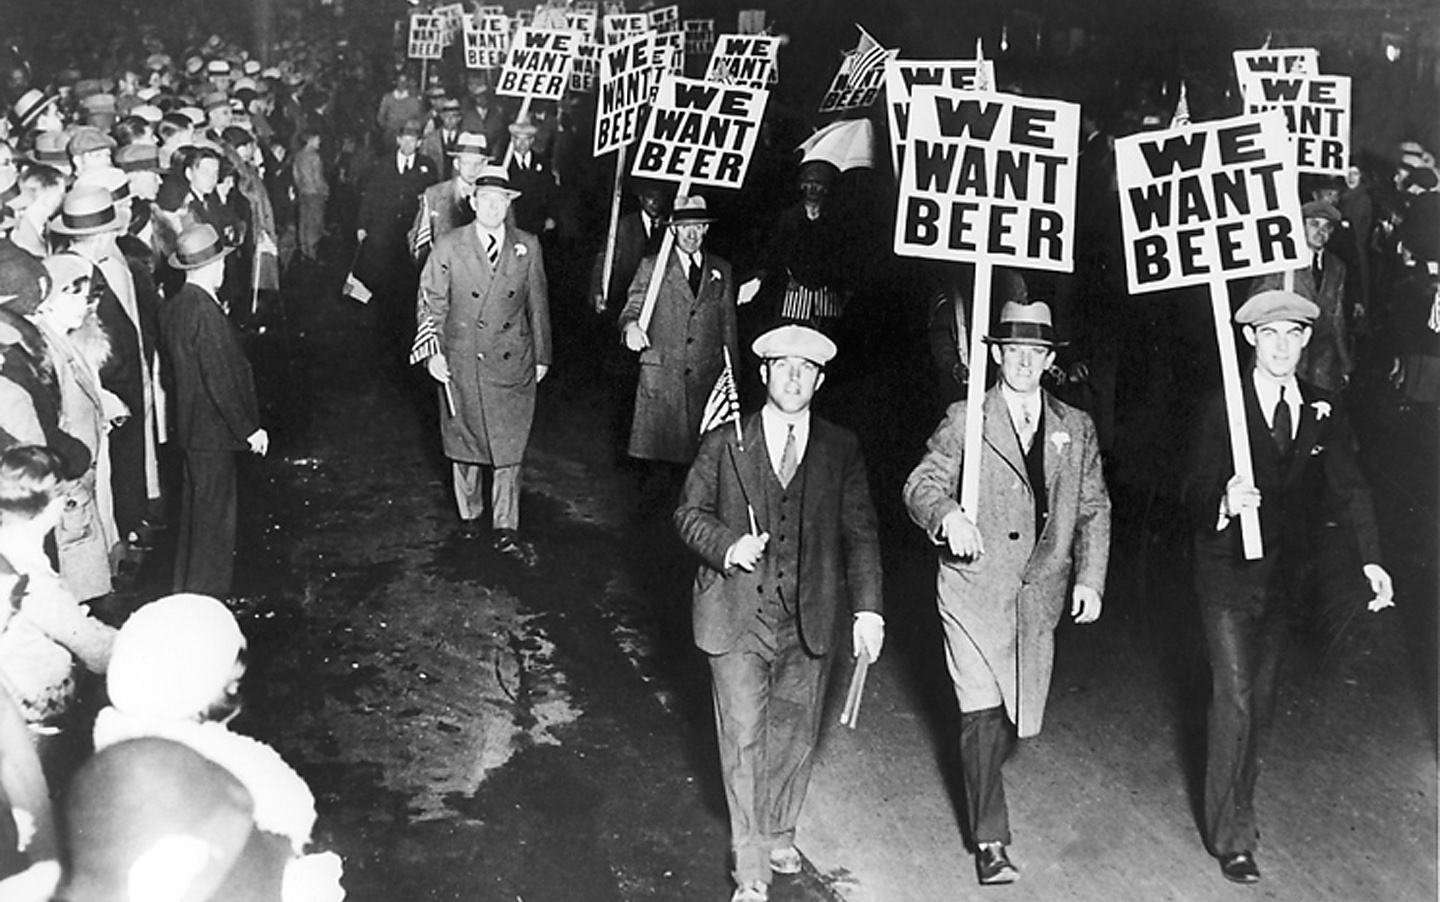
453,14
616,28
586,70
538,64
700,133
750,21
699,36
857,82
989,177
901,77
666,19
627,84
487,39
743,59
667,53
1288,61
1202,204
1211,200
584,21
551,17
1317,113
427,36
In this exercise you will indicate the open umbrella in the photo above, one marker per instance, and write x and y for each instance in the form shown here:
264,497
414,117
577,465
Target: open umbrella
845,143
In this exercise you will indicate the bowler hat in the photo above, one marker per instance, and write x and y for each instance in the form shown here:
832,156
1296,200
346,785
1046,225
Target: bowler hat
472,143
86,210
690,209
495,179
795,341
1276,306
1028,323
198,245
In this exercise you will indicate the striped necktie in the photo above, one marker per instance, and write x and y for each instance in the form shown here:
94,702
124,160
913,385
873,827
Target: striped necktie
789,458
492,250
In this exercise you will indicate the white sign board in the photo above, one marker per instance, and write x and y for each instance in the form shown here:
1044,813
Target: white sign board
700,133
902,76
538,64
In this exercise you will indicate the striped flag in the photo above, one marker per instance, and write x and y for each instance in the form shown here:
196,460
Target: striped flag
356,289
1182,109
867,56
723,405
427,339
423,235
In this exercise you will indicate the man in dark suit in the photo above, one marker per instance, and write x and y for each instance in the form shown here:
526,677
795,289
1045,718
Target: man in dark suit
1305,475
782,520
532,176
216,412
637,236
387,208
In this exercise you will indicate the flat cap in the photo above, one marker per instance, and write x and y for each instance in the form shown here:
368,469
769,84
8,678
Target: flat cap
87,139
1276,306
1321,209
795,341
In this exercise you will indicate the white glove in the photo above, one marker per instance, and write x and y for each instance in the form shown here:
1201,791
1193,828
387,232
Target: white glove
868,635
313,878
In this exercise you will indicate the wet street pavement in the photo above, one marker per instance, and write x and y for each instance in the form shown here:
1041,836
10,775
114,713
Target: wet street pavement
478,730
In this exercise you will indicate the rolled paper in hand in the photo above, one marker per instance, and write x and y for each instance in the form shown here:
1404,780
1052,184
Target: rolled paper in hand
851,712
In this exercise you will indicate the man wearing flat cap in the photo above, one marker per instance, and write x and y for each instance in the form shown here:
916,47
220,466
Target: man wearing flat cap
1006,569
1327,361
483,333
777,506
1305,474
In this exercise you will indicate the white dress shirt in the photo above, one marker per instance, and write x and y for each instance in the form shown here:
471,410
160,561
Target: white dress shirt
776,426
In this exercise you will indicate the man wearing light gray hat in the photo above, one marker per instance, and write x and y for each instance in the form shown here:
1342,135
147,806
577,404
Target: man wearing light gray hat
1303,455
777,506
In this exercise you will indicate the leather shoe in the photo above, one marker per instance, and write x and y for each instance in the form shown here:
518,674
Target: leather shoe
785,861
993,865
1240,867
511,545
470,529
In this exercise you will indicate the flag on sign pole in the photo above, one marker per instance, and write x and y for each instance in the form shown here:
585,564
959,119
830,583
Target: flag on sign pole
867,56
423,234
1182,109
354,288
723,405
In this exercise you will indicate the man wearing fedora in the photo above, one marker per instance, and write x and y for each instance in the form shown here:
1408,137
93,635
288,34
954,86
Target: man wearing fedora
483,332
1328,359
780,514
446,205
1042,524
439,143
682,350
388,203
1303,455
216,412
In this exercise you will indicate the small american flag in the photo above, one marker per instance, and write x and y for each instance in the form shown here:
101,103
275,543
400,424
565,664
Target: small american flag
424,231
356,289
867,56
427,339
723,405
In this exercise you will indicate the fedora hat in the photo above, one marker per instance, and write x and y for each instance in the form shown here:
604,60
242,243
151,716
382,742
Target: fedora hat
495,179
1025,324
87,210
472,143
522,128
29,107
198,245
110,178
690,209
50,148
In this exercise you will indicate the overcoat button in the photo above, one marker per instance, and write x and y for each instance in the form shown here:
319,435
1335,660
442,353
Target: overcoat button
505,356
474,294
1014,536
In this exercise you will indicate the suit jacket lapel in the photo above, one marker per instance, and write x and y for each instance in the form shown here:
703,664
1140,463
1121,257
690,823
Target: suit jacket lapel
750,462
999,432
1306,434
473,257
1055,421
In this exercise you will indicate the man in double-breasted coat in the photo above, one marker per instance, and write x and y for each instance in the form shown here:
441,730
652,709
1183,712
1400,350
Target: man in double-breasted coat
483,330
682,352
1043,518
786,533
1307,483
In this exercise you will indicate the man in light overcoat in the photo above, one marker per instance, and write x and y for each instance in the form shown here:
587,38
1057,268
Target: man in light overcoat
483,330
1043,518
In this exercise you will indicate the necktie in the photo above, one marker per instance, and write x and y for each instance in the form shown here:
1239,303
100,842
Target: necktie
404,164
694,276
1280,424
789,461
1027,427
492,250
1316,271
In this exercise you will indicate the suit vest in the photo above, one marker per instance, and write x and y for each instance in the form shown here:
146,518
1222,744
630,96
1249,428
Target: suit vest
780,581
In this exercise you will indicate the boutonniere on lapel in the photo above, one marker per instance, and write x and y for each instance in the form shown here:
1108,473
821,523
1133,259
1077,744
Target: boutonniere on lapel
520,250
715,274
1060,440
1322,409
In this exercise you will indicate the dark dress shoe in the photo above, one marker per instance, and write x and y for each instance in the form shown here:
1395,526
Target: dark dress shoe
511,545
470,529
1240,867
993,865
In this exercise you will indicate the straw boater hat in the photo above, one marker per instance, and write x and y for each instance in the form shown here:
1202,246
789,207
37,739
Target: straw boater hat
1276,306
795,341
1028,324
87,210
690,209
198,245
29,107
471,143
497,180
108,177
